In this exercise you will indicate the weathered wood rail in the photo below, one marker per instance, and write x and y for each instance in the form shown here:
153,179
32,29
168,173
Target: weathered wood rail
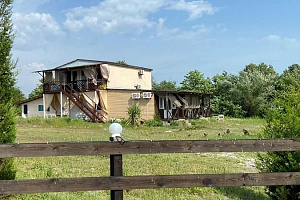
145,147
147,182
117,182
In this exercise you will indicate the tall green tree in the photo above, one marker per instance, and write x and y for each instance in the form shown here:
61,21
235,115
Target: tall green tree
121,62
164,85
226,100
263,68
283,121
7,82
256,86
289,77
18,96
196,82
247,94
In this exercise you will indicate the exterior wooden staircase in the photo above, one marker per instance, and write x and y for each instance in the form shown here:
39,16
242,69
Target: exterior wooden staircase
78,99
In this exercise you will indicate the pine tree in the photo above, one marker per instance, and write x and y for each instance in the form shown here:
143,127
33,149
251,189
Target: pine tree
7,83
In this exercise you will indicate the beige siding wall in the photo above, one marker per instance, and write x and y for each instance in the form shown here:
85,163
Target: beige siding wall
126,78
119,100
33,109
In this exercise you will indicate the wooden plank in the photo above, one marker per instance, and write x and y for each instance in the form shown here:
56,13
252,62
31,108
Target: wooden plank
145,147
147,182
116,169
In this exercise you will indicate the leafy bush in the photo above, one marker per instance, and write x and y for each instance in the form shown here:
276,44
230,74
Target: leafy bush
121,121
226,107
134,113
174,123
283,121
198,121
7,169
193,122
154,123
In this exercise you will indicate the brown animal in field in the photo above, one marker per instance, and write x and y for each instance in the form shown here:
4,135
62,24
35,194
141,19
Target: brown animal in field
204,134
227,131
246,132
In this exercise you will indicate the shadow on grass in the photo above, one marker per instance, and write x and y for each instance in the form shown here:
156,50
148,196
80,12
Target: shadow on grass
244,193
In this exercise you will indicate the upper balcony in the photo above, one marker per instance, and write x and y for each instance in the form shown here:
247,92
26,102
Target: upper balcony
78,85
89,75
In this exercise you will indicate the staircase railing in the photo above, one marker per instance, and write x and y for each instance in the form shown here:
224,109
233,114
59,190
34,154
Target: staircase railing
78,99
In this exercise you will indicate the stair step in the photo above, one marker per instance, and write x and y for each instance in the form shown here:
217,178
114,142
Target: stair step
84,105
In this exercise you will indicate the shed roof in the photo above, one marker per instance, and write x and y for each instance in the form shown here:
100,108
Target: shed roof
163,92
30,99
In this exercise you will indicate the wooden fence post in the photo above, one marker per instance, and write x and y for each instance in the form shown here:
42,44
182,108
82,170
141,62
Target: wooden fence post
116,169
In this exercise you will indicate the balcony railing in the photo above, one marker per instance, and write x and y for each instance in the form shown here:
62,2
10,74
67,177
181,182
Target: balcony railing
79,86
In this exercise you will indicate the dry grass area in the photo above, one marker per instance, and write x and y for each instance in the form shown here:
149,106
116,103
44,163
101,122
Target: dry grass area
64,130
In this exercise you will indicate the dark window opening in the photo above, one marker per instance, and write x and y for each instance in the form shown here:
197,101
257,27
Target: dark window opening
25,109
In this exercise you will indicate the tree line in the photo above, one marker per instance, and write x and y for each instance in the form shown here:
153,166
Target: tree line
257,90
247,94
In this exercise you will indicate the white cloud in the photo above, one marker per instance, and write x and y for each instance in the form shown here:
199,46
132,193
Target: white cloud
195,32
290,40
272,37
284,41
123,16
35,66
196,9
114,16
34,29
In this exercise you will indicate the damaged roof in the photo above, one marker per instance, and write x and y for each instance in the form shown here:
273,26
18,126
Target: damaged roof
85,62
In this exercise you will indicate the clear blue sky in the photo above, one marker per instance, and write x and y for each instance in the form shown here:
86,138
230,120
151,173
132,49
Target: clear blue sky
172,37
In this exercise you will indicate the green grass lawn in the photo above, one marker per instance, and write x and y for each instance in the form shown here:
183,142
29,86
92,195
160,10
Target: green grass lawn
66,130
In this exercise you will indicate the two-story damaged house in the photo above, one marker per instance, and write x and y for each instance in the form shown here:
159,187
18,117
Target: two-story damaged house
100,90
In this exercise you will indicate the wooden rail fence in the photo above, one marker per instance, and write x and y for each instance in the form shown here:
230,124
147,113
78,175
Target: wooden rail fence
117,183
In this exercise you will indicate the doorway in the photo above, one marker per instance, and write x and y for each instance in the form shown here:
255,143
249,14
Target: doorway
25,110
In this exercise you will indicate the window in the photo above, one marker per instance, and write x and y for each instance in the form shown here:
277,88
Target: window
161,102
40,107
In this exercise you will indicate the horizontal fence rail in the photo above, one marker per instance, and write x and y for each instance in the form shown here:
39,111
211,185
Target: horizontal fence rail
147,182
116,182
145,147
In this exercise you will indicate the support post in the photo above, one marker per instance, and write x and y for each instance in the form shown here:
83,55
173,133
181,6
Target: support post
167,105
61,106
43,82
116,169
95,100
44,103
69,110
